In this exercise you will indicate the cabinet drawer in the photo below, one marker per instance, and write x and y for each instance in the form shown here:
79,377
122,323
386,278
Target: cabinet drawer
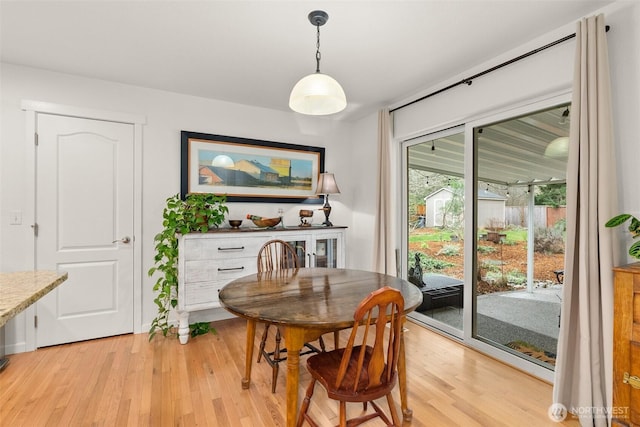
199,249
632,412
201,295
218,269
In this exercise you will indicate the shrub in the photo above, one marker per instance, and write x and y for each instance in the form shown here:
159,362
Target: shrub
561,224
548,241
437,264
515,277
491,265
498,280
494,224
428,264
486,249
449,250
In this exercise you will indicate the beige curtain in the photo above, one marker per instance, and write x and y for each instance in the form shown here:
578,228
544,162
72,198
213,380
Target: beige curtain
584,363
384,239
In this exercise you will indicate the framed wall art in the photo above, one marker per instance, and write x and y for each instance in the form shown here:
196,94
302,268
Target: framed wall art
249,170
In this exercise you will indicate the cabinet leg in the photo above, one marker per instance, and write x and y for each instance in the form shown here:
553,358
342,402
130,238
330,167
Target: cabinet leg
183,326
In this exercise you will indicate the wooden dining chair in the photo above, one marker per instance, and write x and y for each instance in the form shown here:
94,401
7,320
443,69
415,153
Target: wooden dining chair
278,255
363,371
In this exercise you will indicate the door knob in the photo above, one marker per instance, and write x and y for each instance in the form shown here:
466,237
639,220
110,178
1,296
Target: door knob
125,239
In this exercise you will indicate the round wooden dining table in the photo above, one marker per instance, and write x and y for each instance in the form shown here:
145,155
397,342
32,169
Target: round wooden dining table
307,303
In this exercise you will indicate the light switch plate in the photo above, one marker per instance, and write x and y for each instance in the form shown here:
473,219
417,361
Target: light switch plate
15,218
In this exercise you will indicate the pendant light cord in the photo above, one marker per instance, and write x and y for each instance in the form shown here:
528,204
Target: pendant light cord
318,49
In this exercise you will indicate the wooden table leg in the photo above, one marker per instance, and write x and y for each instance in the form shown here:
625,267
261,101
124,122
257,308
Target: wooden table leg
251,336
407,414
295,340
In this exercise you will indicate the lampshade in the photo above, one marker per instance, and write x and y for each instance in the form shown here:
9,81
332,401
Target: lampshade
558,148
317,94
327,184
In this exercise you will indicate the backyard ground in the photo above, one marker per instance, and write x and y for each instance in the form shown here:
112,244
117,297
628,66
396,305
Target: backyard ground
497,260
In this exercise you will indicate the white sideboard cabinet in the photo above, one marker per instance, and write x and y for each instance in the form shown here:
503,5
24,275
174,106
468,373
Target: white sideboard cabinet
208,261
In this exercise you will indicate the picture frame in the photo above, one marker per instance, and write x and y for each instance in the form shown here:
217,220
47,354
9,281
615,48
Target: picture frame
249,170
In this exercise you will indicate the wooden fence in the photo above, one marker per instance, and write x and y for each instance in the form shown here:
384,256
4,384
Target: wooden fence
543,216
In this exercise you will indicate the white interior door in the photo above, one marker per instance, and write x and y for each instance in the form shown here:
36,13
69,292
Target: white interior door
84,214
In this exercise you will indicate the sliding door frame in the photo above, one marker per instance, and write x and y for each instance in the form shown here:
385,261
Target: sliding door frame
470,229
469,332
404,257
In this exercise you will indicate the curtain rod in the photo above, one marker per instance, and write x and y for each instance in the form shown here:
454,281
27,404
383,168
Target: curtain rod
469,80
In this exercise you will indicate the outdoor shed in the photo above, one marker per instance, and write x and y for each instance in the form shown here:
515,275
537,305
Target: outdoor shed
491,207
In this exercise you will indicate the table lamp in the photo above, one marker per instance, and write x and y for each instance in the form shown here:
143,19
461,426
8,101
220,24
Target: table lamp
327,185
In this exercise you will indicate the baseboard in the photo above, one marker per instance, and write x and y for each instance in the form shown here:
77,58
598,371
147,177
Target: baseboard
15,348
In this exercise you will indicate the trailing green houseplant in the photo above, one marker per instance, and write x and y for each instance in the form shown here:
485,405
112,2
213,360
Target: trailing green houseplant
634,229
198,212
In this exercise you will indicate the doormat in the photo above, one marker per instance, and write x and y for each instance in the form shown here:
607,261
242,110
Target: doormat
533,351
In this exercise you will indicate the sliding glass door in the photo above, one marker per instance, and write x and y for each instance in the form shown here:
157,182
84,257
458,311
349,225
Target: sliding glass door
520,224
435,226
484,231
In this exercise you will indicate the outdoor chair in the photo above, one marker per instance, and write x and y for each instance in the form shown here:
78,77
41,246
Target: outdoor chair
559,275
361,371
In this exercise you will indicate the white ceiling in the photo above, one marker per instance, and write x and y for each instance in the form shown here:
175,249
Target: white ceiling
253,52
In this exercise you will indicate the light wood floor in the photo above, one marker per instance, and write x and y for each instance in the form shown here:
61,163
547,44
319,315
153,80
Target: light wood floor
128,381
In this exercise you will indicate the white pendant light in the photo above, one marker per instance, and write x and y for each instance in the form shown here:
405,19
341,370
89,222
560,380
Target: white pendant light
558,148
317,94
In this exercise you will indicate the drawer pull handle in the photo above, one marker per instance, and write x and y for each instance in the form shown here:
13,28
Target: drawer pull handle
231,268
633,381
231,249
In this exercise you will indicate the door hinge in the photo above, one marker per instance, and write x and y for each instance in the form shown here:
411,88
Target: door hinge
35,229
35,138
35,321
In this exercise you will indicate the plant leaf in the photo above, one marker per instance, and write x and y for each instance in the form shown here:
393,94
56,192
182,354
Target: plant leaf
634,250
617,220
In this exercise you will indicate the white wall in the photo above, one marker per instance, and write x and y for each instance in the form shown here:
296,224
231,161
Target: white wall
624,57
545,73
166,115
360,167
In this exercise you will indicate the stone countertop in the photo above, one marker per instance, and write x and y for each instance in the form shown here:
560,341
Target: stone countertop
20,289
